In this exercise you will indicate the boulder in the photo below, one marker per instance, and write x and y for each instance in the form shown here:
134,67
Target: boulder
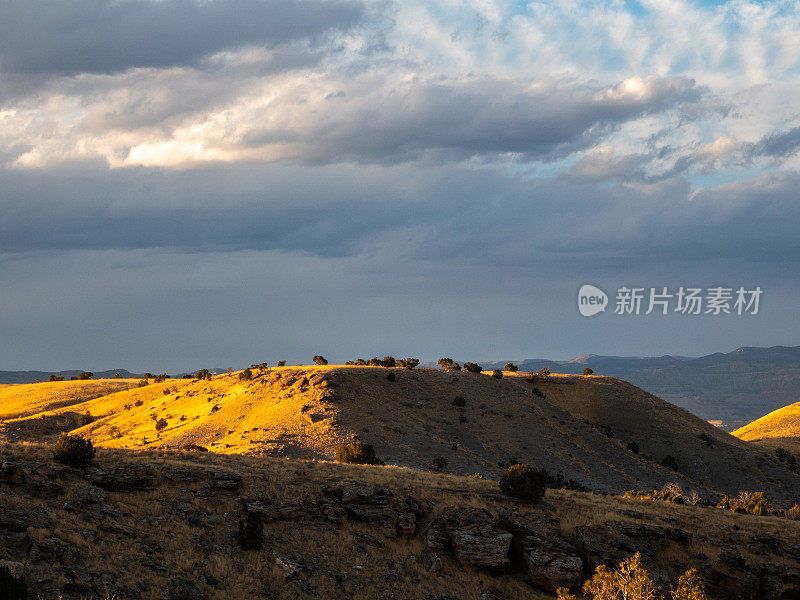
552,563
477,540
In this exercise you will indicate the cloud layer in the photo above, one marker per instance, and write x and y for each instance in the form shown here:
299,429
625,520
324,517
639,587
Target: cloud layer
257,164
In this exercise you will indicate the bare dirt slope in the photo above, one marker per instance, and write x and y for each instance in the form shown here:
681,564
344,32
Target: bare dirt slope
778,429
307,412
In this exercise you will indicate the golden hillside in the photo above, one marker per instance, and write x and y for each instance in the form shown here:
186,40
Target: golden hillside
780,428
576,426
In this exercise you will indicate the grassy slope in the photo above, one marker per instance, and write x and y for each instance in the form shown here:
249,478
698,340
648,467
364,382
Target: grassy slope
306,412
780,428
28,399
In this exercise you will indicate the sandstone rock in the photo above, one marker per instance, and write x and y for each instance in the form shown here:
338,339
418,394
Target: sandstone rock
213,477
477,540
407,523
437,540
552,563
122,477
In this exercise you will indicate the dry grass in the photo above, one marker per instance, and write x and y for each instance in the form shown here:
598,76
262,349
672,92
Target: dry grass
780,428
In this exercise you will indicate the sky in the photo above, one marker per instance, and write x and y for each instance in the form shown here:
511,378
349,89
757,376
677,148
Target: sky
210,183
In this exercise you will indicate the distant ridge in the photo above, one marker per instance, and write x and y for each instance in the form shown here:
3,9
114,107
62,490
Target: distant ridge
735,387
33,376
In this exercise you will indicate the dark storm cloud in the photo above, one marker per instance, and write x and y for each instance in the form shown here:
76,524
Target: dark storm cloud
456,119
448,212
67,37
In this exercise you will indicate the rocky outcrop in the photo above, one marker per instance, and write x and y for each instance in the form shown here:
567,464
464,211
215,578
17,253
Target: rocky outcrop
552,563
122,476
477,540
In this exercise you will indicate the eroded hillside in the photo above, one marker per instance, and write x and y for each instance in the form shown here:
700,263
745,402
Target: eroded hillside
778,429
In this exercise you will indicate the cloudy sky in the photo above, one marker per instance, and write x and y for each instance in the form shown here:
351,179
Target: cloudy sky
190,183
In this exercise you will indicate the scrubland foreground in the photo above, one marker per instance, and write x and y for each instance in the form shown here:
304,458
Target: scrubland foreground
158,524
188,473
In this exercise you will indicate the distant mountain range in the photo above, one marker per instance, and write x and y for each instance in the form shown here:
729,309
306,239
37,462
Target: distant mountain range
34,376
736,387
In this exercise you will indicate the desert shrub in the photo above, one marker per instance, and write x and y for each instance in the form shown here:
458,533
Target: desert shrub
375,362
497,374
669,462
471,367
511,367
477,476
350,363
148,375
161,377
73,450
161,424
793,512
538,393
630,581
320,360
251,532
388,361
751,503
85,419
544,373
187,376
588,371
633,447
11,587
143,382
214,408
357,453
56,378
671,492
408,363
245,374
166,391
440,463
281,363
524,482
203,374
446,363
139,402
459,401
193,448
706,439
86,375
391,377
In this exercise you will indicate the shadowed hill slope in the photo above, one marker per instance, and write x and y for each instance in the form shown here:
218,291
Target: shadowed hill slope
778,429
307,412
